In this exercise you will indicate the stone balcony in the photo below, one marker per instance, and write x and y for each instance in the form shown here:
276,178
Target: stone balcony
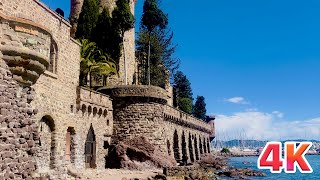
25,47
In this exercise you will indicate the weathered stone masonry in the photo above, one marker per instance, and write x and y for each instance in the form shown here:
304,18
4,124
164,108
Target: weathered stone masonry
142,111
24,55
48,124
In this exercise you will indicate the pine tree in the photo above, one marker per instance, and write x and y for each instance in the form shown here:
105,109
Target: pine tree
162,60
199,109
152,18
88,19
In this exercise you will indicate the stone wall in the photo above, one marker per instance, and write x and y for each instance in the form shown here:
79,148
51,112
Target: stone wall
24,56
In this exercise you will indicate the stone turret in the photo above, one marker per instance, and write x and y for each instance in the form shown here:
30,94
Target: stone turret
24,56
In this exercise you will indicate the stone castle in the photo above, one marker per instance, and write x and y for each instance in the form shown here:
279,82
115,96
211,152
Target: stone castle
48,122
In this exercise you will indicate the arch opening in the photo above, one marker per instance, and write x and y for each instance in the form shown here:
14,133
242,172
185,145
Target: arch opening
90,149
184,150
46,159
196,149
70,145
191,149
176,146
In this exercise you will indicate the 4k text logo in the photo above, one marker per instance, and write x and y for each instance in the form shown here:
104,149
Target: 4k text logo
294,157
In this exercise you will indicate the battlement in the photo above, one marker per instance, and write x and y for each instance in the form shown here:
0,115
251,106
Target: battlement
94,98
179,117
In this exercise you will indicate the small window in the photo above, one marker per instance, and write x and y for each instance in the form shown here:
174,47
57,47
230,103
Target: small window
53,58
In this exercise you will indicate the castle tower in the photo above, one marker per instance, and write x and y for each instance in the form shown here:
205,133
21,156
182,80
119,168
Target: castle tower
126,69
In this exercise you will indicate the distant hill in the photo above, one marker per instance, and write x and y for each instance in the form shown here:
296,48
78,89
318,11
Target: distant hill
252,143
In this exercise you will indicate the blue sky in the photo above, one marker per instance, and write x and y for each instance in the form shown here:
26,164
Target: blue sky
250,59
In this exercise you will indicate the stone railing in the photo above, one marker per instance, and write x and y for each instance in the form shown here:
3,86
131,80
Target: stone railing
94,98
179,117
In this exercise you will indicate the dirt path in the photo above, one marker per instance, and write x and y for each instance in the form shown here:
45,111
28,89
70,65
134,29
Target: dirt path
116,174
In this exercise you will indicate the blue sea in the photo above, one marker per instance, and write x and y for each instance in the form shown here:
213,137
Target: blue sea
313,160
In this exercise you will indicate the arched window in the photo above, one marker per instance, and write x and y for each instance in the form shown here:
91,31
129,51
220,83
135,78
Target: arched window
53,57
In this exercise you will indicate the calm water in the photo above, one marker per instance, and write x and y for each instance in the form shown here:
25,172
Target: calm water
313,160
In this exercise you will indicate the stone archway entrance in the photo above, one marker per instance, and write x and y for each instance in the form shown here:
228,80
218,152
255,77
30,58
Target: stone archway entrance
90,149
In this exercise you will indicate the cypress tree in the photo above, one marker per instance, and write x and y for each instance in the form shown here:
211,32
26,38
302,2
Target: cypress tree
199,109
88,19
123,20
182,86
107,37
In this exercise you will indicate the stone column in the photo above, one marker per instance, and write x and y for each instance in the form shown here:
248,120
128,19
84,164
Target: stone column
24,56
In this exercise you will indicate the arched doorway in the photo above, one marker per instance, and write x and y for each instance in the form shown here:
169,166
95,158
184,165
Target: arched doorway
47,144
70,145
90,149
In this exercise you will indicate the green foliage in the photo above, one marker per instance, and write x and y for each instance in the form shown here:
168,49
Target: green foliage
185,105
182,86
93,62
225,150
107,37
199,109
154,30
123,19
88,19
152,16
162,60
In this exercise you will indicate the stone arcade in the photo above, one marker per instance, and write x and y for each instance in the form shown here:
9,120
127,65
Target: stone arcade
48,122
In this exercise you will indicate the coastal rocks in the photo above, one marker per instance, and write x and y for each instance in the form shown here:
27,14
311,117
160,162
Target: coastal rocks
241,173
218,165
137,154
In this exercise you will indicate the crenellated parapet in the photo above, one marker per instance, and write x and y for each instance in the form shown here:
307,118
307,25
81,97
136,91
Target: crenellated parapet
94,103
179,117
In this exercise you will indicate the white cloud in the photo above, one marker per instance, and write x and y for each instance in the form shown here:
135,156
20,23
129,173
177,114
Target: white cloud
278,114
264,126
237,100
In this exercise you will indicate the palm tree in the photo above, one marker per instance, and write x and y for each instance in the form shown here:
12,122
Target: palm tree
89,66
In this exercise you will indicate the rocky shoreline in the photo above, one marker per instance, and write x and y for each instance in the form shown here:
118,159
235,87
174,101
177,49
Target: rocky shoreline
217,166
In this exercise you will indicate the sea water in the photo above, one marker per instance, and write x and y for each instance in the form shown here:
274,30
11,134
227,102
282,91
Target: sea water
314,161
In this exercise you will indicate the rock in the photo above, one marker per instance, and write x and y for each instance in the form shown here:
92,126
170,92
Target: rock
160,177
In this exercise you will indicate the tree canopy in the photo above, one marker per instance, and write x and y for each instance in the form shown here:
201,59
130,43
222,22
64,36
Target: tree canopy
88,19
123,19
199,109
152,16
